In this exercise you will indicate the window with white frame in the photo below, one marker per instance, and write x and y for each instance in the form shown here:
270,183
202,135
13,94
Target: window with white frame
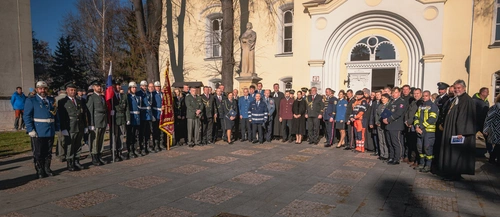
286,84
215,37
496,28
287,30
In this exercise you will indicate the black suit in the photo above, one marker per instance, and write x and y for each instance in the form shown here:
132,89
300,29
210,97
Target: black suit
314,106
208,118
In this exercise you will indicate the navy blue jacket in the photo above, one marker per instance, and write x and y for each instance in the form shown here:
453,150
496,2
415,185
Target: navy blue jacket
244,105
134,104
331,108
258,114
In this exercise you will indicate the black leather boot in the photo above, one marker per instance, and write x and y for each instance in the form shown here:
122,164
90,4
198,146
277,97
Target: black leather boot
95,161
39,171
118,156
102,161
70,166
46,167
77,165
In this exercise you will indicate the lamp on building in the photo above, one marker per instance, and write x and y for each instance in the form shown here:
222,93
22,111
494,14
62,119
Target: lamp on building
348,81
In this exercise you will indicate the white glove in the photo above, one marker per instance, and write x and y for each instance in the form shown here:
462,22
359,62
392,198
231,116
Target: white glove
32,134
92,128
85,130
65,133
112,112
128,122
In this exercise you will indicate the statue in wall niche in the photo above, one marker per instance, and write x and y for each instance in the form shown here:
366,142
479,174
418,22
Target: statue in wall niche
248,40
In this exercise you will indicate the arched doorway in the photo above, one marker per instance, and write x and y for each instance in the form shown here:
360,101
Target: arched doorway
374,64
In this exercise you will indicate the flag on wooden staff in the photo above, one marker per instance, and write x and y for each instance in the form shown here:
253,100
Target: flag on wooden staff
167,109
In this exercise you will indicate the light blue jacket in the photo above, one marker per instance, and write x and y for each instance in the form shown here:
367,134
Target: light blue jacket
244,105
38,116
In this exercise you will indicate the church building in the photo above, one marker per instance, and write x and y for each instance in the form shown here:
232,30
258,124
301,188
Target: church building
351,44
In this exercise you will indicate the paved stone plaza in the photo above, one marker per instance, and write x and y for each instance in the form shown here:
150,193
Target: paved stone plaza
272,179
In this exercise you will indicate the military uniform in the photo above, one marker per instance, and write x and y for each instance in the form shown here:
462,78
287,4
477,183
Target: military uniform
73,122
443,103
286,115
220,116
245,125
60,150
147,119
314,106
425,119
133,124
121,117
41,123
208,118
330,110
157,103
193,103
98,121
395,128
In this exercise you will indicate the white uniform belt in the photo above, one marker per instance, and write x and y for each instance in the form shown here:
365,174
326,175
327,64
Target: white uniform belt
148,107
45,120
159,109
135,112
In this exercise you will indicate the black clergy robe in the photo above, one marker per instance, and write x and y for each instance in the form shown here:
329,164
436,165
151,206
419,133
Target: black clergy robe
456,159
277,96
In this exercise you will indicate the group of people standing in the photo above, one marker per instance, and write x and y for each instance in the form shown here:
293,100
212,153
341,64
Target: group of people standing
78,118
397,124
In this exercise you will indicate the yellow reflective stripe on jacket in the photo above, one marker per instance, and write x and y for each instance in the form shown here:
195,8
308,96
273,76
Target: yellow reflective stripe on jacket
431,128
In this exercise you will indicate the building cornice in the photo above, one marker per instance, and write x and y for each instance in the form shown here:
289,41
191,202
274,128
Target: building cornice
373,64
316,63
432,58
322,7
431,1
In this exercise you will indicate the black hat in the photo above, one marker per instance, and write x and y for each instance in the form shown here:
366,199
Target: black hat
97,83
292,91
70,84
304,89
117,82
359,92
442,85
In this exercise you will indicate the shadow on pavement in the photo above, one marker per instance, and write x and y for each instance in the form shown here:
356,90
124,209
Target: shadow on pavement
16,160
400,199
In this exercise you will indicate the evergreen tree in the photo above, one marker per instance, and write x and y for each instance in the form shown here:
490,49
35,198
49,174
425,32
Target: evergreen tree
42,59
66,66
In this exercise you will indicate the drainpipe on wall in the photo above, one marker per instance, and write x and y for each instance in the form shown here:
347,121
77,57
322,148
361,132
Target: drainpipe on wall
470,47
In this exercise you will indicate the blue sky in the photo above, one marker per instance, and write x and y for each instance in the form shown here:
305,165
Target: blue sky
47,17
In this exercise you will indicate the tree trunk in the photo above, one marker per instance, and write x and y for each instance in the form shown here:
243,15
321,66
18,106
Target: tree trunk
177,62
150,34
227,44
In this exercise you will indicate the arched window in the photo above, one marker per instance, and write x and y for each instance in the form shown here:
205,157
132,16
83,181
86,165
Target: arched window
287,30
215,36
373,48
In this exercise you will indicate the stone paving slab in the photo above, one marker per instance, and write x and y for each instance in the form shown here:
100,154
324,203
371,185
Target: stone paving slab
244,179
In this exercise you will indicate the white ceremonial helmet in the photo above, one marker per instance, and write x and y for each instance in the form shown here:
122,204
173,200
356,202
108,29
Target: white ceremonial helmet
157,84
144,83
132,84
41,84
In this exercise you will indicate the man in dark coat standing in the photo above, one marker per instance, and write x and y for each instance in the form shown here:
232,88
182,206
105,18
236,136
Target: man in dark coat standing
457,159
277,96
395,126
314,106
208,116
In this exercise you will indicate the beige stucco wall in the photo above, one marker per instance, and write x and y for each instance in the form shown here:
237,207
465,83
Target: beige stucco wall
268,66
455,39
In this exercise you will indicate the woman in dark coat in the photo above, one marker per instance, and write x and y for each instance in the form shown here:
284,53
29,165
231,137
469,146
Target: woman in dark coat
492,130
299,119
230,109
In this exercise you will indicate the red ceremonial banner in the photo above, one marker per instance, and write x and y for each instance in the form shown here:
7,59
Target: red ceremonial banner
167,109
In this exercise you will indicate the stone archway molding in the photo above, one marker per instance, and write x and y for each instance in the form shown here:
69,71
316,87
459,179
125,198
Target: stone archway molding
376,19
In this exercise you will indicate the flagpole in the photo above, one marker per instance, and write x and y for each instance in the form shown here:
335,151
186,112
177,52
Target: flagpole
113,145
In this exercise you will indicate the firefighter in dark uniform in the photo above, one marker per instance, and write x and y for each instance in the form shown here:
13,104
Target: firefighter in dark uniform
133,120
147,117
425,123
73,123
156,107
395,126
41,124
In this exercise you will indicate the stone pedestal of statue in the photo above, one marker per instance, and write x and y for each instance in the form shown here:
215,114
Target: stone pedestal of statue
246,81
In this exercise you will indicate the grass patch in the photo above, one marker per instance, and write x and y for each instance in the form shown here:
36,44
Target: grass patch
12,143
